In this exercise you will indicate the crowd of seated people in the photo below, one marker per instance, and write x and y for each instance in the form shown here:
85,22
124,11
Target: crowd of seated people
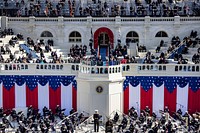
45,120
77,53
151,59
142,48
118,55
5,32
190,41
175,42
31,46
148,58
100,8
5,48
168,122
149,122
196,57
27,57
37,47
180,48
72,7
159,47
159,8
52,9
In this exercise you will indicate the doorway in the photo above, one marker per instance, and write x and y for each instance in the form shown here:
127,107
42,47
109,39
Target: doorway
103,39
103,44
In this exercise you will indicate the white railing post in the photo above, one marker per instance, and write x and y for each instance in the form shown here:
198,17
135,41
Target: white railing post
177,21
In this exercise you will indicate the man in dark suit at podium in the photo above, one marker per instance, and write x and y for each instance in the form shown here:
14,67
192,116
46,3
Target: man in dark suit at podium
96,121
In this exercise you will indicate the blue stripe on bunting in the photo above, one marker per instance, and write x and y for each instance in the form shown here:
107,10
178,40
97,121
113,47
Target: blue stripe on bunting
20,80
54,81
8,81
43,80
32,81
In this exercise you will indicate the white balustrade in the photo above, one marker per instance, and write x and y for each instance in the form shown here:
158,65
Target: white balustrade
107,19
87,70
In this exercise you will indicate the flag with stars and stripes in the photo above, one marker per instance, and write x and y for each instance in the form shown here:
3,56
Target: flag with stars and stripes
156,92
22,91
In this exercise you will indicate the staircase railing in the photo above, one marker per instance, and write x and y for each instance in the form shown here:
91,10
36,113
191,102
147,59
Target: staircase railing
59,123
85,124
176,49
183,128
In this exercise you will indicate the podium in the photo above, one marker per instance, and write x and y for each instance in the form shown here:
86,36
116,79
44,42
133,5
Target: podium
100,90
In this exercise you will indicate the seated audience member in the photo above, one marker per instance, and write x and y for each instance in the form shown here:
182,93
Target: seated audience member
109,126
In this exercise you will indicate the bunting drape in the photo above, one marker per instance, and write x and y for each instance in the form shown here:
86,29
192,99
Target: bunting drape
156,92
38,91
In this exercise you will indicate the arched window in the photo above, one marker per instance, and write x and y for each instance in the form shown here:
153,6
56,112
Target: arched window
161,34
74,37
46,34
132,36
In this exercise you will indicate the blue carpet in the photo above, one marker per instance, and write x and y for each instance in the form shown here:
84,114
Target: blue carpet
103,53
28,50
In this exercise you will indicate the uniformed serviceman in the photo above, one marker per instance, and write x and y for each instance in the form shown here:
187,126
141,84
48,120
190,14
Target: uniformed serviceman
96,121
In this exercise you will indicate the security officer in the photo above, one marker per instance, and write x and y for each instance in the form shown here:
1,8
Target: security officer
96,121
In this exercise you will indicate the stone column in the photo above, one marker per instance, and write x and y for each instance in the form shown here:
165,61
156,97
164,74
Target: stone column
176,25
146,30
32,28
117,32
4,22
60,38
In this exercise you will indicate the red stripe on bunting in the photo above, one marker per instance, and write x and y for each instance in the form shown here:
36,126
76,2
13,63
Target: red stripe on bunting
193,101
170,100
54,98
126,100
74,98
9,98
146,99
32,97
